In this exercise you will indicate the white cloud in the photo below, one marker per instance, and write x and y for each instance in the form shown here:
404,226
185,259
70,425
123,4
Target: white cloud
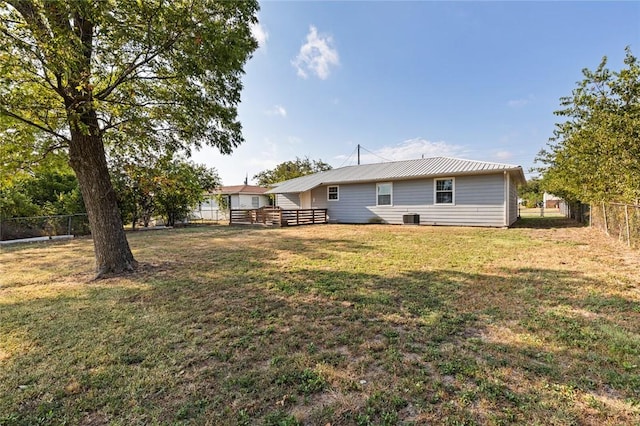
269,151
519,103
411,149
503,155
260,34
316,56
277,110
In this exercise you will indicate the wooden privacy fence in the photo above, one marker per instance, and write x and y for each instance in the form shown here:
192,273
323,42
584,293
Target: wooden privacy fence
277,217
618,220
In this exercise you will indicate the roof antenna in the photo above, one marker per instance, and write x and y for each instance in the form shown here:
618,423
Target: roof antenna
423,156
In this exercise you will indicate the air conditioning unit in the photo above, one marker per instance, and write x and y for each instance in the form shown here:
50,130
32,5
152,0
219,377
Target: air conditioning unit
411,219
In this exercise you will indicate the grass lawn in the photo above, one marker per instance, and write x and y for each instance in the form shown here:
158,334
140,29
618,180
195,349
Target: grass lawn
528,213
329,324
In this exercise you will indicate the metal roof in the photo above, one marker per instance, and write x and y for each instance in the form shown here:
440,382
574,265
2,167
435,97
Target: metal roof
396,170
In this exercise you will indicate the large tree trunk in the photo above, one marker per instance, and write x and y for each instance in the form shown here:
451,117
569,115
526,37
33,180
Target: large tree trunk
87,158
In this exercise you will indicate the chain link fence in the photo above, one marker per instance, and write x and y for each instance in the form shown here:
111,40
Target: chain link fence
16,228
621,221
576,211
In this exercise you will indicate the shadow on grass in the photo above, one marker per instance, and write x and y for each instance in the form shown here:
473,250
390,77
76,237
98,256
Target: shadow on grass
243,341
546,223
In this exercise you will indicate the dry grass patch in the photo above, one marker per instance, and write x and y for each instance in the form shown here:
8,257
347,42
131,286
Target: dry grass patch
330,324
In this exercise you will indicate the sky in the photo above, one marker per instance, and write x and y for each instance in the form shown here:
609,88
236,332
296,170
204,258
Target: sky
471,80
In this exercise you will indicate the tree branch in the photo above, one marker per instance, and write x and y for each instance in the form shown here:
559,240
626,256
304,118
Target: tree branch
114,125
34,124
29,13
148,57
31,16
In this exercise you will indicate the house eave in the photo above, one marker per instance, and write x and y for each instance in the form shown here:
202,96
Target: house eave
517,170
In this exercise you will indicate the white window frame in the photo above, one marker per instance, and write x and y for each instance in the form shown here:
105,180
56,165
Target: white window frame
453,191
337,187
390,193
255,205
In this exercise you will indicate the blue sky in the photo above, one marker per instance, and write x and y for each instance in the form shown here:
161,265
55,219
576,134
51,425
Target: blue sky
474,80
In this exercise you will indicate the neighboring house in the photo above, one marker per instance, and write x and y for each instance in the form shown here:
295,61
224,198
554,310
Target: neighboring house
551,201
236,197
441,191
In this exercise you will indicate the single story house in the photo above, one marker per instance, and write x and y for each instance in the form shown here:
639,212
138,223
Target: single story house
235,197
429,191
551,201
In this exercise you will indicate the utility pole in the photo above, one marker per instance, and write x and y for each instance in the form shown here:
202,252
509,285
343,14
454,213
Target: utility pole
358,154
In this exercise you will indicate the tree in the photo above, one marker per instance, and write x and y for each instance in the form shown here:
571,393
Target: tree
15,203
133,179
168,185
89,73
180,186
290,170
531,192
45,188
55,192
595,155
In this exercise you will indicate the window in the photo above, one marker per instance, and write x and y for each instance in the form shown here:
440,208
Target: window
255,202
444,191
384,191
332,193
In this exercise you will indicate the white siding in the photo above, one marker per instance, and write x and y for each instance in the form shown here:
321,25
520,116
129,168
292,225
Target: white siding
479,201
319,198
209,209
513,201
234,201
245,201
288,201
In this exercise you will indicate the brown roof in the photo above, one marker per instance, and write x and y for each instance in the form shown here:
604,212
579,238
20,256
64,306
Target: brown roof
241,189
